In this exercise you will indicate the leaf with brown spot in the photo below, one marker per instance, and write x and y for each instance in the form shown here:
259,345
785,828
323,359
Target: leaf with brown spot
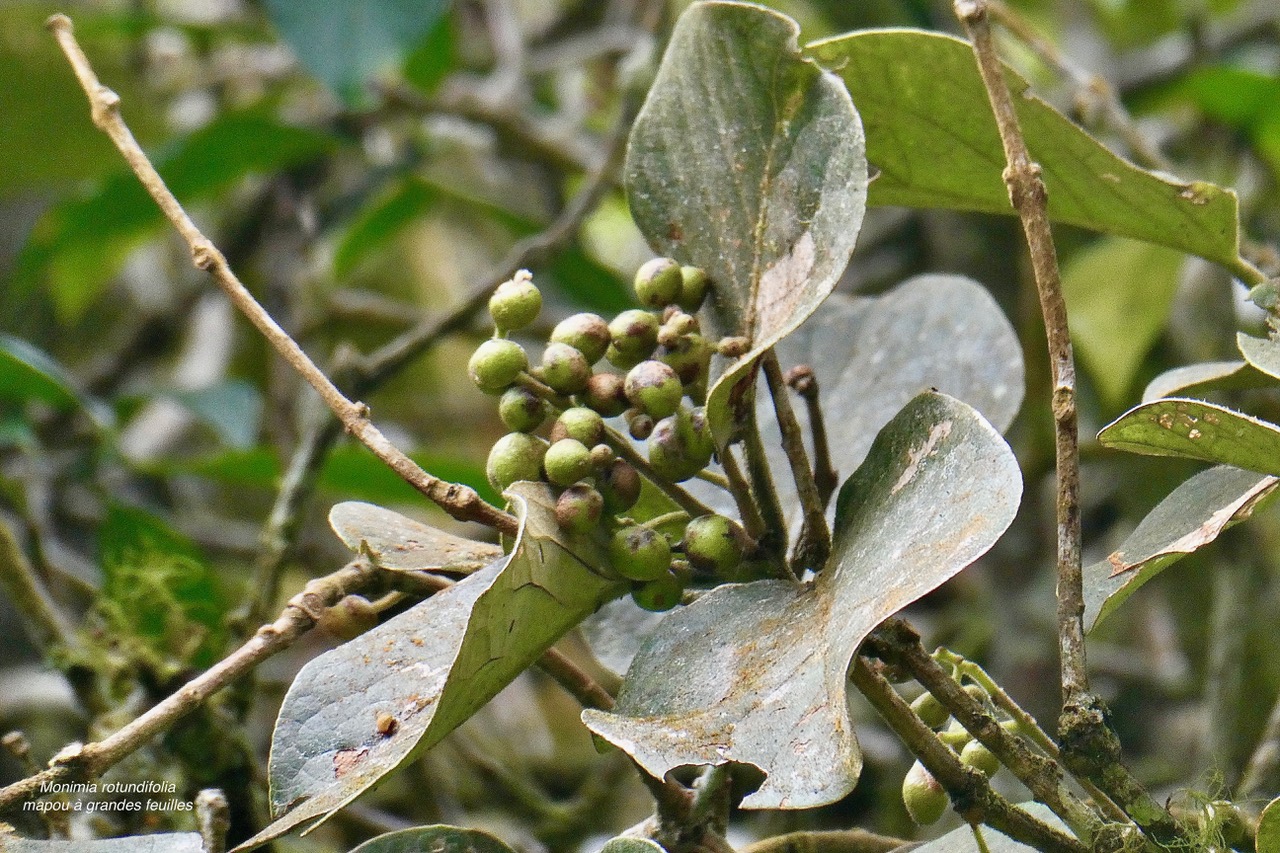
1194,429
938,487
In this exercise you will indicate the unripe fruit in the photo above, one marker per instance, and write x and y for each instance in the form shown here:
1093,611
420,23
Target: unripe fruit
604,393
579,423
676,325
930,710
688,355
653,388
680,445
659,595
633,334
350,617
713,543
521,410
514,457
733,347
923,796
620,485
955,736
564,368
658,282
516,303
640,554
578,508
602,456
587,333
694,282
977,756
978,693
639,424
567,461
695,431
495,365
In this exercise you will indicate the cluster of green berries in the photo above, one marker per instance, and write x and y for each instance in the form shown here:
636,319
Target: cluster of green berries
648,366
924,797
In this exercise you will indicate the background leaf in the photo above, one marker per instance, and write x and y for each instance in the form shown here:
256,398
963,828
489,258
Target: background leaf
774,227
1193,429
175,842
938,487
29,374
1269,828
429,668
1191,517
437,839
931,134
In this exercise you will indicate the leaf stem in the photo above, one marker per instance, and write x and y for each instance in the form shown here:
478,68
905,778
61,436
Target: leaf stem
803,381
773,536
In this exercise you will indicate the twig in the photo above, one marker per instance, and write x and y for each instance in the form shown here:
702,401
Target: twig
84,761
461,502
213,815
575,680
1263,770
1027,193
773,537
831,841
970,793
740,489
814,542
45,625
805,383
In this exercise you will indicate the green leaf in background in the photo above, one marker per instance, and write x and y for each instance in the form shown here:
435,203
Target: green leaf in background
1119,293
79,245
171,842
157,587
931,134
1191,517
397,542
28,373
1193,429
938,487
437,839
1242,99
631,845
1269,828
429,668
232,409
347,45
747,160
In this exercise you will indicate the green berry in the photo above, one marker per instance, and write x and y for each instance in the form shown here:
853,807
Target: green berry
653,388
604,393
620,485
694,282
579,423
680,446
640,554
633,334
733,347
695,431
639,425
602,456
713,543
658,282
521,410
659,595
587,333
923,796
978,692
578,508
688,355
516,303
564,368
930,710
495,365
675,325
977,756
514,457
567,461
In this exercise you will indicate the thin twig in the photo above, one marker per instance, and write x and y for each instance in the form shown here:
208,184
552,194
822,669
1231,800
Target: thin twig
740,489
622,446
773,538
461,502
84,761
803,381
213,815
45,624
814,542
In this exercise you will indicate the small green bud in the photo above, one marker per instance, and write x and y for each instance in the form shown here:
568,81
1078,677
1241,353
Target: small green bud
694,282
689,356
521,410
659,595
567,461
495,365
578,508
639,425
633,334
516,303
640,554
564,368
923,796
955,736
514,457
579,423
587,333
602,456
605,394
978,757
713,543
930,710
658,282
653,388
733,347
620,484
676,325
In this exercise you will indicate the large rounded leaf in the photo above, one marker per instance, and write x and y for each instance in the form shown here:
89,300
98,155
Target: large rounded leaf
169,842
397,542
748,161
362,710
763,665
437,839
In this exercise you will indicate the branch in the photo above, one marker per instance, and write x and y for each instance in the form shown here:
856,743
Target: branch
85,761
461,502
44,623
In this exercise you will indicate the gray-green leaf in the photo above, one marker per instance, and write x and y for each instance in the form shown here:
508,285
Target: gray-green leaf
747,160
1191,517
174,842
937,488
397,542
1193,429
1269,828
437,839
